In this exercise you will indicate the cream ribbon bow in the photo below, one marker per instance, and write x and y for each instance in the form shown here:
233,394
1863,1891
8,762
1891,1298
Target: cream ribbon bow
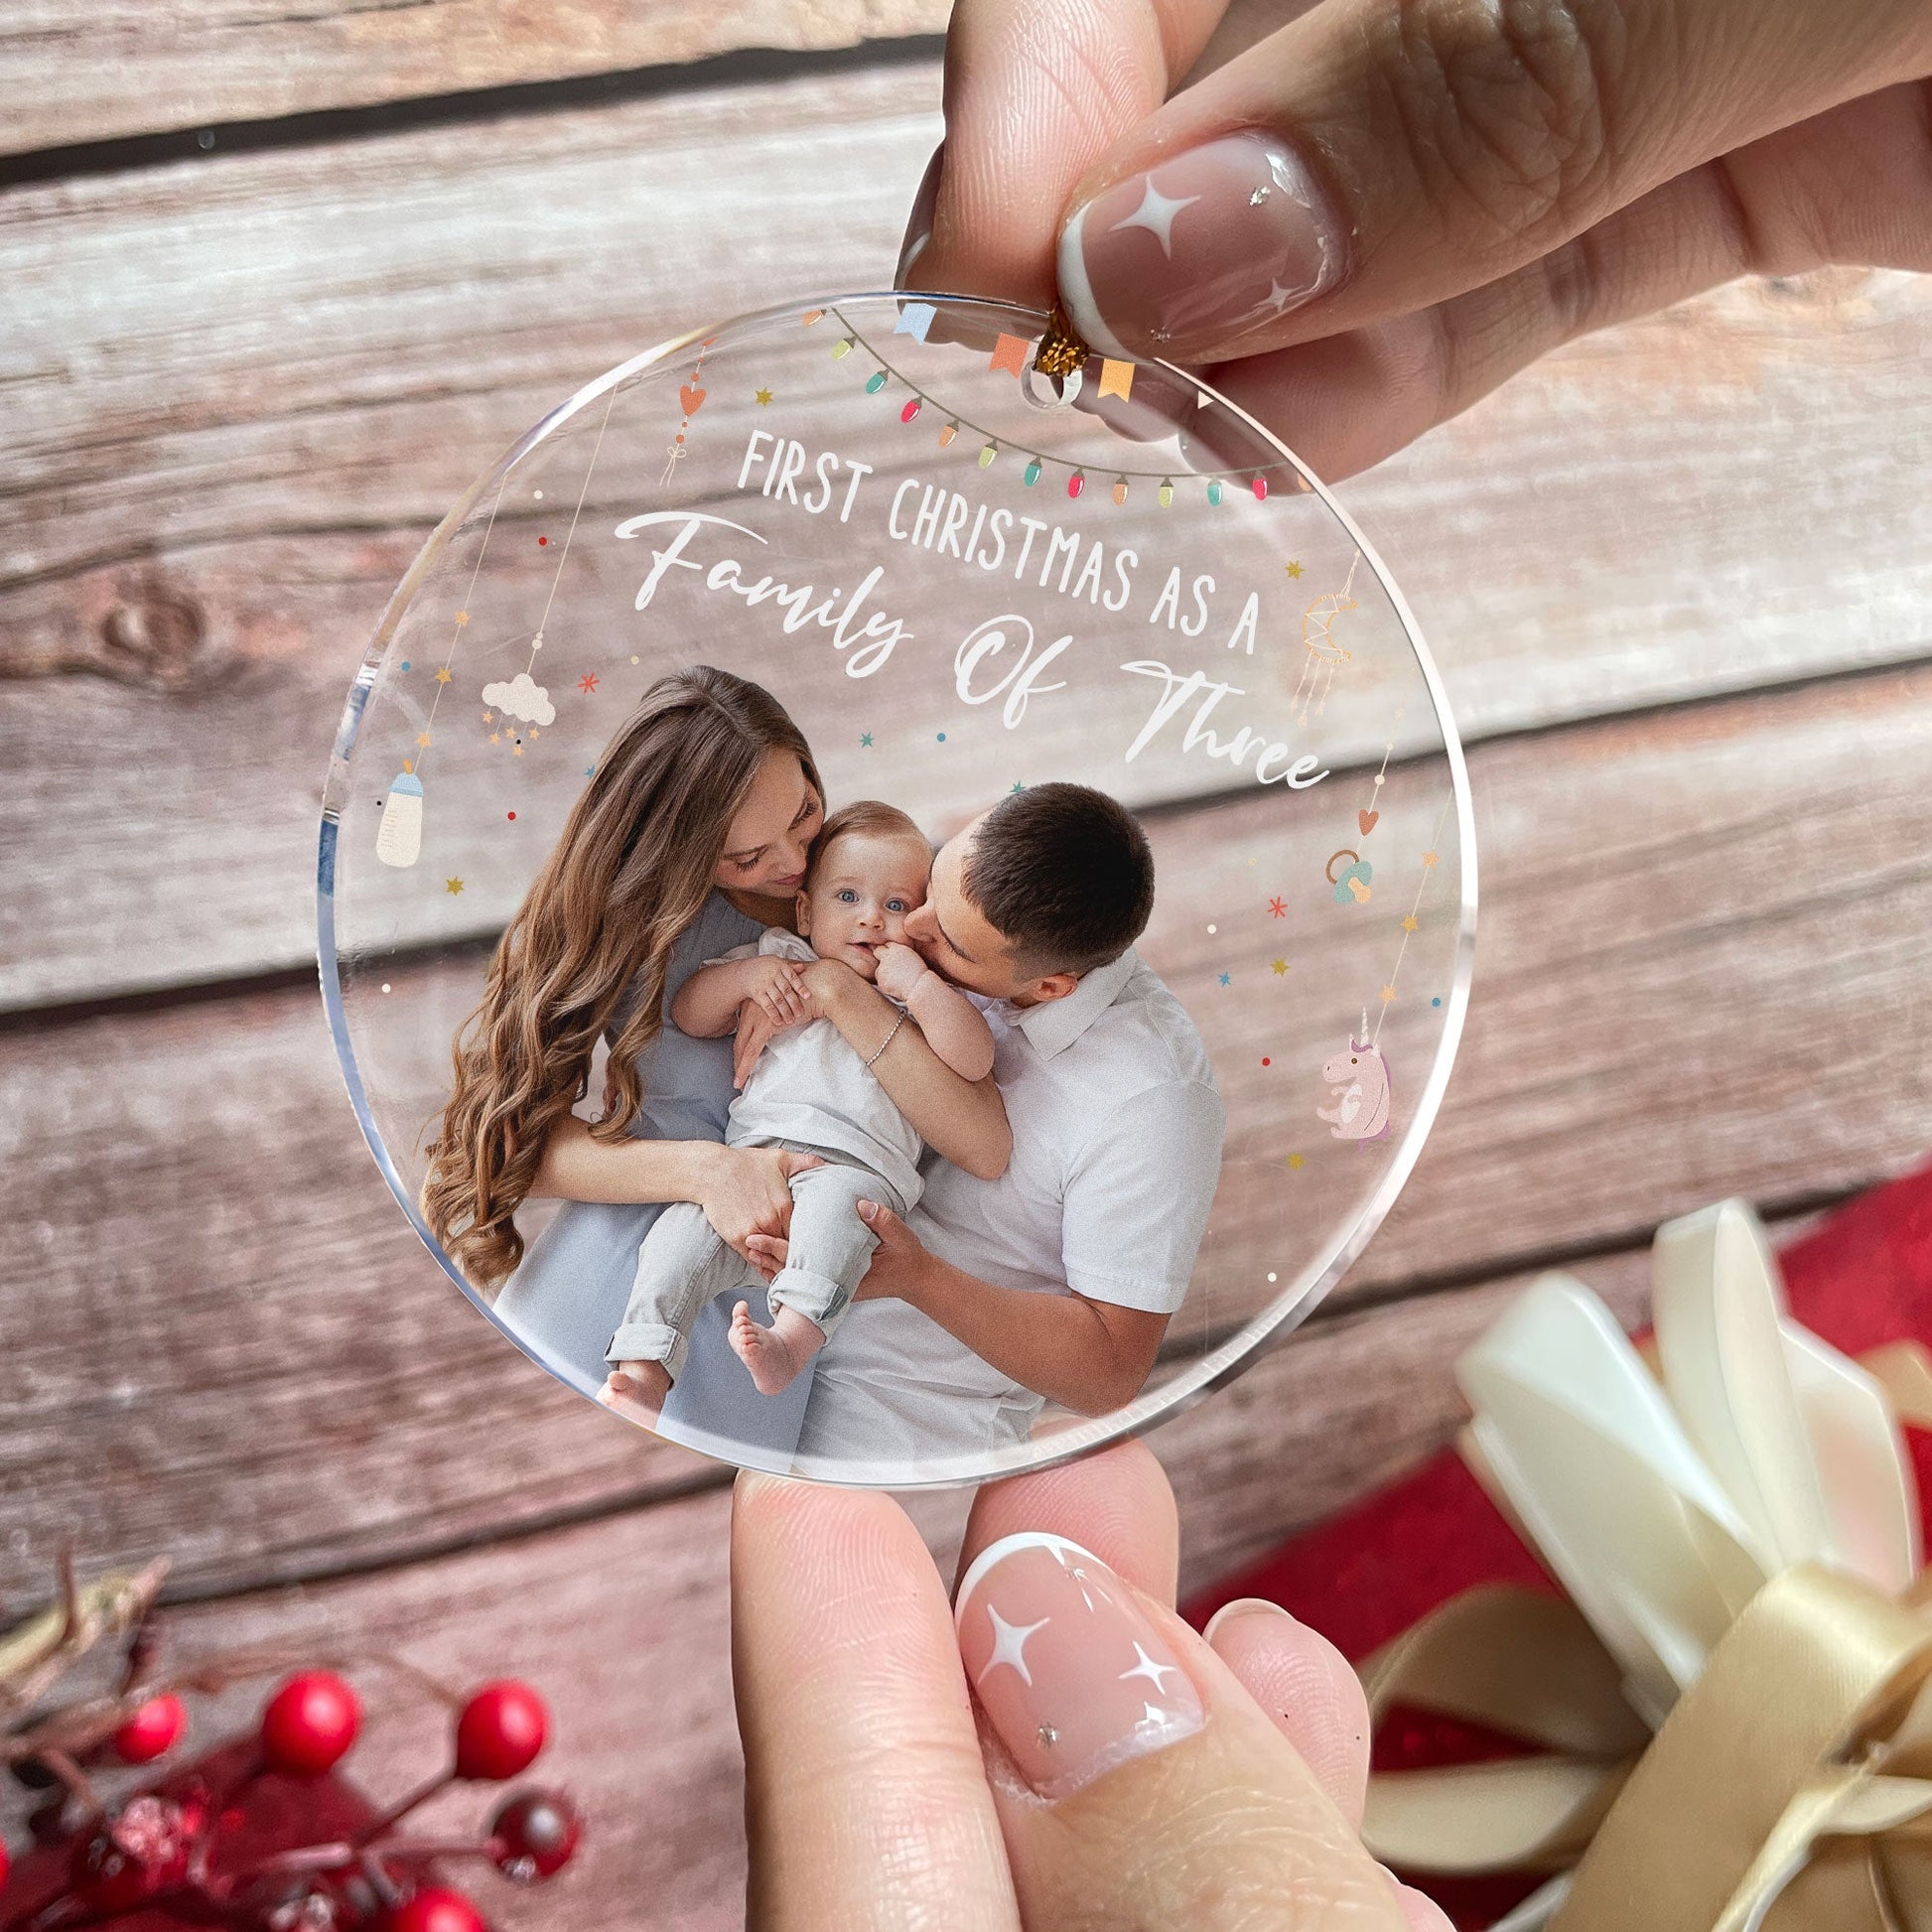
1735,1532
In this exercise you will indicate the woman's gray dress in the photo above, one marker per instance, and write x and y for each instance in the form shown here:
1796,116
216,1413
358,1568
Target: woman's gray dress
566,1300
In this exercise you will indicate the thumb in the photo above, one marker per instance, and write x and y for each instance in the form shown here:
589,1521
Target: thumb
1133,1776
1371,159
880,1220
790,1163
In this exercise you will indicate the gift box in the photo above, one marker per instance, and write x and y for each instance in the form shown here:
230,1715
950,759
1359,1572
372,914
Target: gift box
1775,1485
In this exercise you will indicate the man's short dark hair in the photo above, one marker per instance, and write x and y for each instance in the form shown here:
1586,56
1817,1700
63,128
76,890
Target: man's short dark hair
1063,873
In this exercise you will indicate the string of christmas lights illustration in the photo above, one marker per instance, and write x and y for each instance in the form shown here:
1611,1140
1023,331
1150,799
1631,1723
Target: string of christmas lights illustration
1256,475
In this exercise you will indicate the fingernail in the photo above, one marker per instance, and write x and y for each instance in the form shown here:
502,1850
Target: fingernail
919,224
1201,250
1065,1665
1242,1606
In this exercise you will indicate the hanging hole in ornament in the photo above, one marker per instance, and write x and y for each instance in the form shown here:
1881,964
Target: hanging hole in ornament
1045,391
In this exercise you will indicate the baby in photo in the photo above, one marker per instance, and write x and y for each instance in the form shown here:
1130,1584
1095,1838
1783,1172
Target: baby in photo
811,1092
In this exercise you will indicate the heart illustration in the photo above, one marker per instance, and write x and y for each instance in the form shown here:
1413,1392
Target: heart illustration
1367,821
690,396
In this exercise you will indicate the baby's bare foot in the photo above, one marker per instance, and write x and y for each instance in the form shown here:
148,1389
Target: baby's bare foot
637,1389
774,1355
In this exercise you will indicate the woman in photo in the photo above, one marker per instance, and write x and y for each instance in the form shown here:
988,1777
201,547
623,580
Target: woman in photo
689,839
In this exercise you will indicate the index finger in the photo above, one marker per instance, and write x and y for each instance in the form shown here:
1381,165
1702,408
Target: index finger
866,1802
1038,91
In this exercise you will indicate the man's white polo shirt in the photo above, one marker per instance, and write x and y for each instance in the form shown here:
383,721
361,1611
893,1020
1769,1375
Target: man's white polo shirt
1117,1130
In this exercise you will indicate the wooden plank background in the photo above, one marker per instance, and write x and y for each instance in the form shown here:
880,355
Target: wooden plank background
1680,579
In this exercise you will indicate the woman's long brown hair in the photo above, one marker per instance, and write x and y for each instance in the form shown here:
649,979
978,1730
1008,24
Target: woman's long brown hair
627,876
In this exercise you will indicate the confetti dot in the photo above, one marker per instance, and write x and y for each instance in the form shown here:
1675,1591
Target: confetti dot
513,817
1214,929
1379,780
1265,1060
1435,1003
633,660
405,663
538,494
543,540
385,986
1272,1276
942,737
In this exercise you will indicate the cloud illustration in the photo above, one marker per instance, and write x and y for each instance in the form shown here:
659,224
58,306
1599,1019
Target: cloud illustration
523,697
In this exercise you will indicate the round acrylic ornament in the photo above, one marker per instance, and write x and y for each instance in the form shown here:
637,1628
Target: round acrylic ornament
962,575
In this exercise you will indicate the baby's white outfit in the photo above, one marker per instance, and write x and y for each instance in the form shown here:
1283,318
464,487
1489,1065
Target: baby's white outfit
810,1091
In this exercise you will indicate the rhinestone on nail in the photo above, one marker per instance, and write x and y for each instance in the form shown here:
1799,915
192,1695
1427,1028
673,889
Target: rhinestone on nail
1048,1735
1258,196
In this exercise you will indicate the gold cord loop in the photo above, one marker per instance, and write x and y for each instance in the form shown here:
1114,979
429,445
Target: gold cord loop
1061,351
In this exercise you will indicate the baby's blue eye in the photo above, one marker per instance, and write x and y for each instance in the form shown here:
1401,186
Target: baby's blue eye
846,897
896,905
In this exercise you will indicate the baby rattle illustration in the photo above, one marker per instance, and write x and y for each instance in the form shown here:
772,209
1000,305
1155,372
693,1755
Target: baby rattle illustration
1359,1081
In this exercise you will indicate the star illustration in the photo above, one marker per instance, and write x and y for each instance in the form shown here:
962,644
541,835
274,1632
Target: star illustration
496,738
864,741
452,886
490,717
1411,923
443,676
1278,908
1151,1671
586,683
1156,215
517,750
1388,995
422,739
1428,858
1228,979
1278,967
763,397
1293,570
1009,1646
462,617
1017,785
1279,298
1294,1161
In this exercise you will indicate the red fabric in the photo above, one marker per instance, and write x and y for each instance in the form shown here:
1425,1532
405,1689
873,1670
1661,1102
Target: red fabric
1860,1279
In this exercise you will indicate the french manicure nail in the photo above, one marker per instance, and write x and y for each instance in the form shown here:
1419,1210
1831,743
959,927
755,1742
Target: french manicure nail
1200,251
919,224
1065,1664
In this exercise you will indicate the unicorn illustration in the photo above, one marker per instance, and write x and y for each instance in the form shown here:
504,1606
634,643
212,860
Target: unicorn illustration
1359,1081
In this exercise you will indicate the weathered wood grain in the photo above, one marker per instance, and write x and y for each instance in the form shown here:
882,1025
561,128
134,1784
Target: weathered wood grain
203,63
1702,973
240,394
644,1737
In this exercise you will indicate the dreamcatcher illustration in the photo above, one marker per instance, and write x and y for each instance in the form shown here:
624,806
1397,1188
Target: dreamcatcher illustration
1323,652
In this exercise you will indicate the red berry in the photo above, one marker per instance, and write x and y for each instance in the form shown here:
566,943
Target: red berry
152,1731
533,1835
310,1723
435,1910
500,1731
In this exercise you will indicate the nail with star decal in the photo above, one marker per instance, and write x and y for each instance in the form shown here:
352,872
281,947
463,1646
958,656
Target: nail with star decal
1199,252
1065,1664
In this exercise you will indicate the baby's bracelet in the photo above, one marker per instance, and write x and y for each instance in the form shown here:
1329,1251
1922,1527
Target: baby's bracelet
887,1040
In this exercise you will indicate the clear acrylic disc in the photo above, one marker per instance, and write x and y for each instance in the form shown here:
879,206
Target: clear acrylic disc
961,578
